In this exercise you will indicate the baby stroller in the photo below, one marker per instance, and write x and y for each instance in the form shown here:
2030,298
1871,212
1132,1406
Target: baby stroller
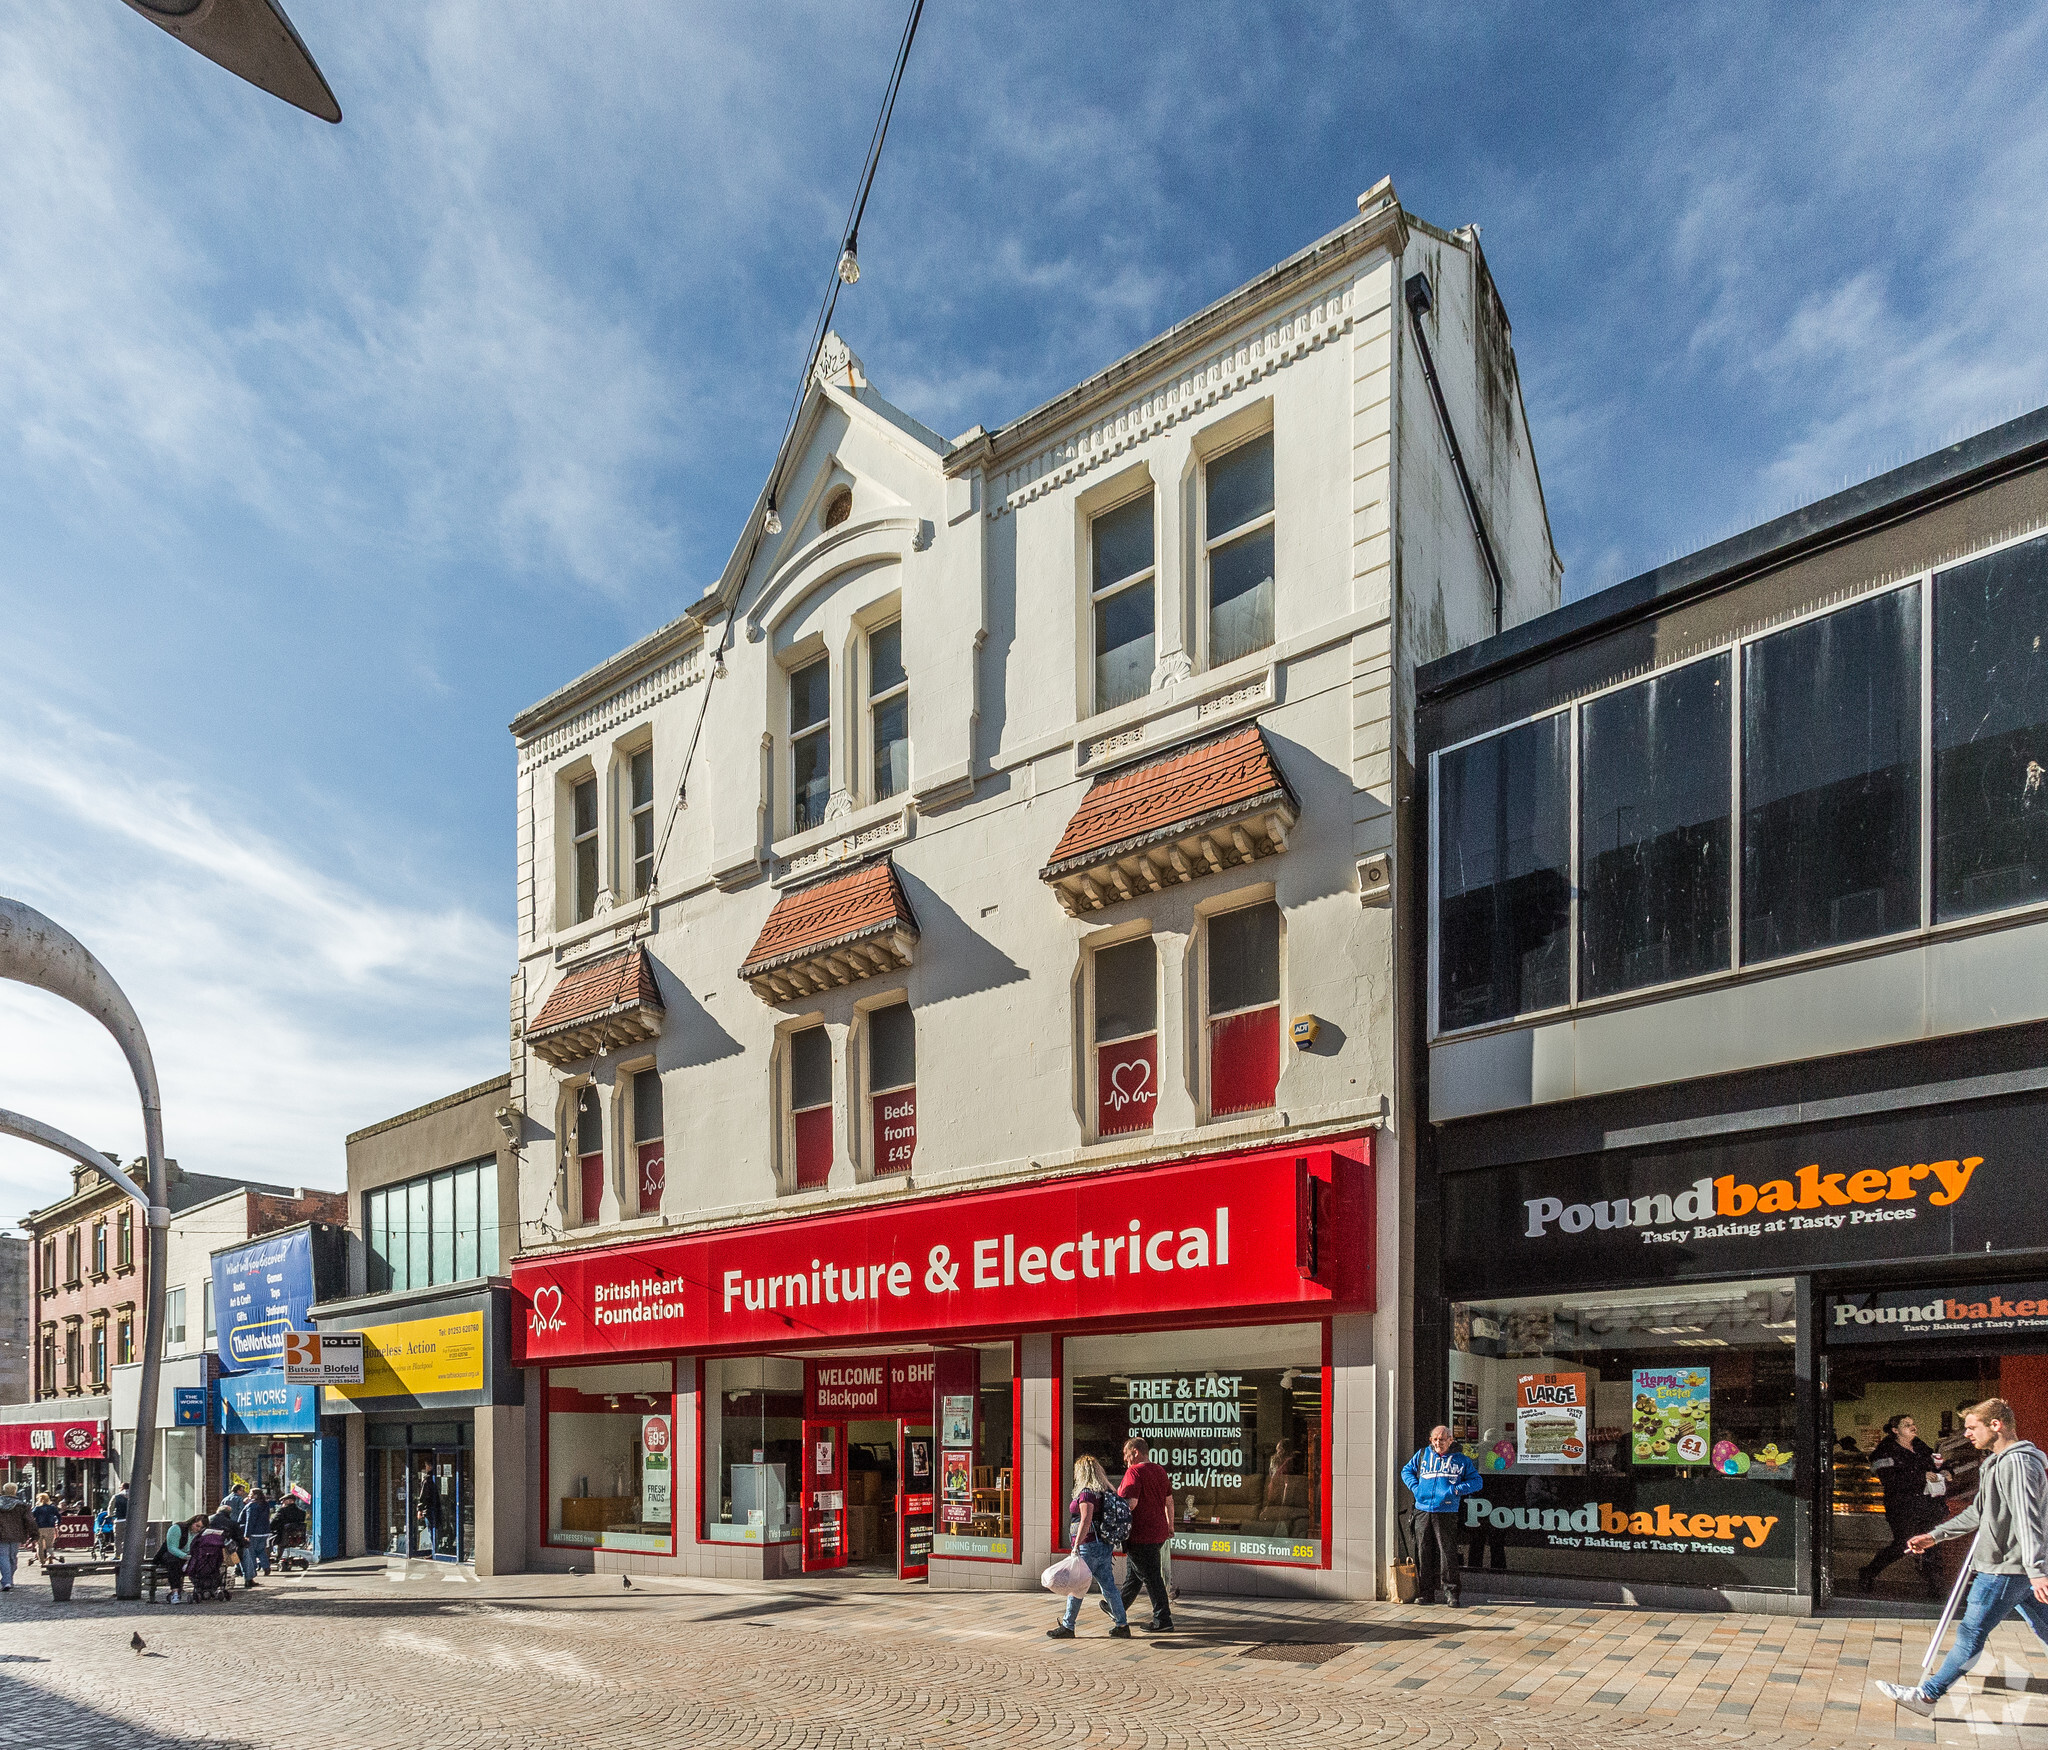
206,1567
288,1549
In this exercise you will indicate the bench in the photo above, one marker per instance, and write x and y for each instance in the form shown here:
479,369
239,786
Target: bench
62,1575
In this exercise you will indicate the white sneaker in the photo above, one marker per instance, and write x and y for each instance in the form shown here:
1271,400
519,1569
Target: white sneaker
1908,1696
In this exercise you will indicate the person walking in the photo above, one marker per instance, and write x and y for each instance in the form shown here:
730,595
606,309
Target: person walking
228,1522
46,1514
1439,1477
256,1528
1149,1489
1909,1471
1092,1545
17,1527
2010,1557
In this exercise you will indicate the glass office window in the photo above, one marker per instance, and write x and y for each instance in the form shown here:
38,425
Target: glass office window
1991,733
753,1448
465,1224
1504,874
419,1233
456,1236
441,1227
1654,831
1831,779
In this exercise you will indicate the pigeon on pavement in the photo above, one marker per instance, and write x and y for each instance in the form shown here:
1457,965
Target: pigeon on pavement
626,1580
138,1643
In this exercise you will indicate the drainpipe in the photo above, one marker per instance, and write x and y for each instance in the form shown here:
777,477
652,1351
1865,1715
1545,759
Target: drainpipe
1419,304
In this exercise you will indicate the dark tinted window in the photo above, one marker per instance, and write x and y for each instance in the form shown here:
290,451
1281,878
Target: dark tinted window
810,1069
589,1125
1653,831
810,694
885,657
1991,733
893,1047
1244,959
1504,875
1240,485
1126,989
647,1107
1831,779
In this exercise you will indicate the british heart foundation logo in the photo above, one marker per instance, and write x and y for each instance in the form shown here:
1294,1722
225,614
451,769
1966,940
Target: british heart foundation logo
547,1308
1130,1084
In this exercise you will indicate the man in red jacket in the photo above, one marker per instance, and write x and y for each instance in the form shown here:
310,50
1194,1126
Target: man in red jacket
1149,1490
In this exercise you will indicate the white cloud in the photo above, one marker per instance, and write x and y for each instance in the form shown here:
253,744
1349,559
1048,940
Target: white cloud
285,1006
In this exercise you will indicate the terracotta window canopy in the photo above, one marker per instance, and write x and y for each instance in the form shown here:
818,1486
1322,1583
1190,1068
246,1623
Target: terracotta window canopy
1190,811
834,932
600,1005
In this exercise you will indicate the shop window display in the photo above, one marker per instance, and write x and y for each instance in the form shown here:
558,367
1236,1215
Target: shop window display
978,1517
611,1456
1237,1418
1646,1434
753,1448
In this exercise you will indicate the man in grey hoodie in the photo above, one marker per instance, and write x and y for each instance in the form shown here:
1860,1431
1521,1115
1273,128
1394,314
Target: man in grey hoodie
2010,1519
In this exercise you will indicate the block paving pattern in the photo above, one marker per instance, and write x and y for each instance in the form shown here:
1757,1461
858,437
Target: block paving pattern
374,1658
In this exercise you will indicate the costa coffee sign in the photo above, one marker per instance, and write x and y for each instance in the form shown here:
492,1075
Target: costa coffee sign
52,1440
1281,1229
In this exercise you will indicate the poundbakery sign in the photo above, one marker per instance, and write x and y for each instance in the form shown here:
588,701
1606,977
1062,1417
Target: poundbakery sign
1926,1186
1281,1230
2011,1309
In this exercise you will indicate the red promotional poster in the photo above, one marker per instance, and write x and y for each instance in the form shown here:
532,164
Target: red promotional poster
1153,1242
895,1130
956,1488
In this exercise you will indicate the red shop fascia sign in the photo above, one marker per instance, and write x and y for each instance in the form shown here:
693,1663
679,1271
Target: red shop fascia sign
53,1440
1280,1231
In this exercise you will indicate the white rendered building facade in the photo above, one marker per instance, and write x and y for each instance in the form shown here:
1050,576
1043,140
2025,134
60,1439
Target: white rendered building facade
1023,953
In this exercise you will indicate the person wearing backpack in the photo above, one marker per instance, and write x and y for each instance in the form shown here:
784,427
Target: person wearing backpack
1099,1515
1148,1488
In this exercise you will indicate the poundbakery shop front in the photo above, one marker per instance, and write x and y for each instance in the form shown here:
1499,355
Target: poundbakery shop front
1676,1366
902,1389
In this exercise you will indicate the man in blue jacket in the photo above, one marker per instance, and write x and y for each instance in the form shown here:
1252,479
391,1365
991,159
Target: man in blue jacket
1439,1477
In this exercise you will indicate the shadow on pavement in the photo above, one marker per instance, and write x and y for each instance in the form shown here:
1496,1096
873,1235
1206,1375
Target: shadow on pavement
36,1717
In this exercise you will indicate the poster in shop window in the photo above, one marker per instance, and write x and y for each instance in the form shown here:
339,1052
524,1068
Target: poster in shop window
956,1487
1550,1419
655,1472
1670,1420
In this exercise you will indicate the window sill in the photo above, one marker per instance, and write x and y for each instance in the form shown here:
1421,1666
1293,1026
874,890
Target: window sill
820,848
574,935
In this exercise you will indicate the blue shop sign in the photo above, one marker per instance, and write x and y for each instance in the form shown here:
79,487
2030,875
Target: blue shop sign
261,1291
265,1403
191,1411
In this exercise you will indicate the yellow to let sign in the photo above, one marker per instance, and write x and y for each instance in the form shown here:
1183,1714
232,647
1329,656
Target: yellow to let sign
421,1357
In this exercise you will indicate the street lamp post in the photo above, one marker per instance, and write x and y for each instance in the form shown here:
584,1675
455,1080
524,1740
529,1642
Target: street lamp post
33,950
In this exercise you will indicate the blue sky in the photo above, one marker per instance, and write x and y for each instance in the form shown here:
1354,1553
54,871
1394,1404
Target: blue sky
325,450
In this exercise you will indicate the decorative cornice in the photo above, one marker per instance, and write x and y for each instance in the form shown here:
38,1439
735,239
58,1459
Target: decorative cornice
608,713
1225,372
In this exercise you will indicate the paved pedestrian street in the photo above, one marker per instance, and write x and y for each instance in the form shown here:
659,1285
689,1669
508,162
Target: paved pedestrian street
376,1658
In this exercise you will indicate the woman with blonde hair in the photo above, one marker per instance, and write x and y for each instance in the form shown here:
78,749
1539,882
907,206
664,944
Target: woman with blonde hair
1091,1490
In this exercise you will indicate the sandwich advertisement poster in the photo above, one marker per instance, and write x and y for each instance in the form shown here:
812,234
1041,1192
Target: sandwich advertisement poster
1671,1421
1550,1418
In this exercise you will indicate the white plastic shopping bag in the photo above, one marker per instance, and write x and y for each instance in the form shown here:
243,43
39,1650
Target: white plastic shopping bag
1069,1577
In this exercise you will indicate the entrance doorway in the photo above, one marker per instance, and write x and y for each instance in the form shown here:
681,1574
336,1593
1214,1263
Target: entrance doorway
426,1505
1865,1390
867,1498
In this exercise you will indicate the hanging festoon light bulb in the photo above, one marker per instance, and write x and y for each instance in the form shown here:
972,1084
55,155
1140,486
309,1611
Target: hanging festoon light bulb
849,261
772,522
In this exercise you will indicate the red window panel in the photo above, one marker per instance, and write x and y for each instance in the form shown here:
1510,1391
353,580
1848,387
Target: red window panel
1126,1085
593,1183
895,1130
1244,1061
653,1176
813,1147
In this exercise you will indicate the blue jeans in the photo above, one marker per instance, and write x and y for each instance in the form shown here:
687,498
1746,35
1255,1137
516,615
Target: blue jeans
8,1553
254,1551
1102,1565
1992,1598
